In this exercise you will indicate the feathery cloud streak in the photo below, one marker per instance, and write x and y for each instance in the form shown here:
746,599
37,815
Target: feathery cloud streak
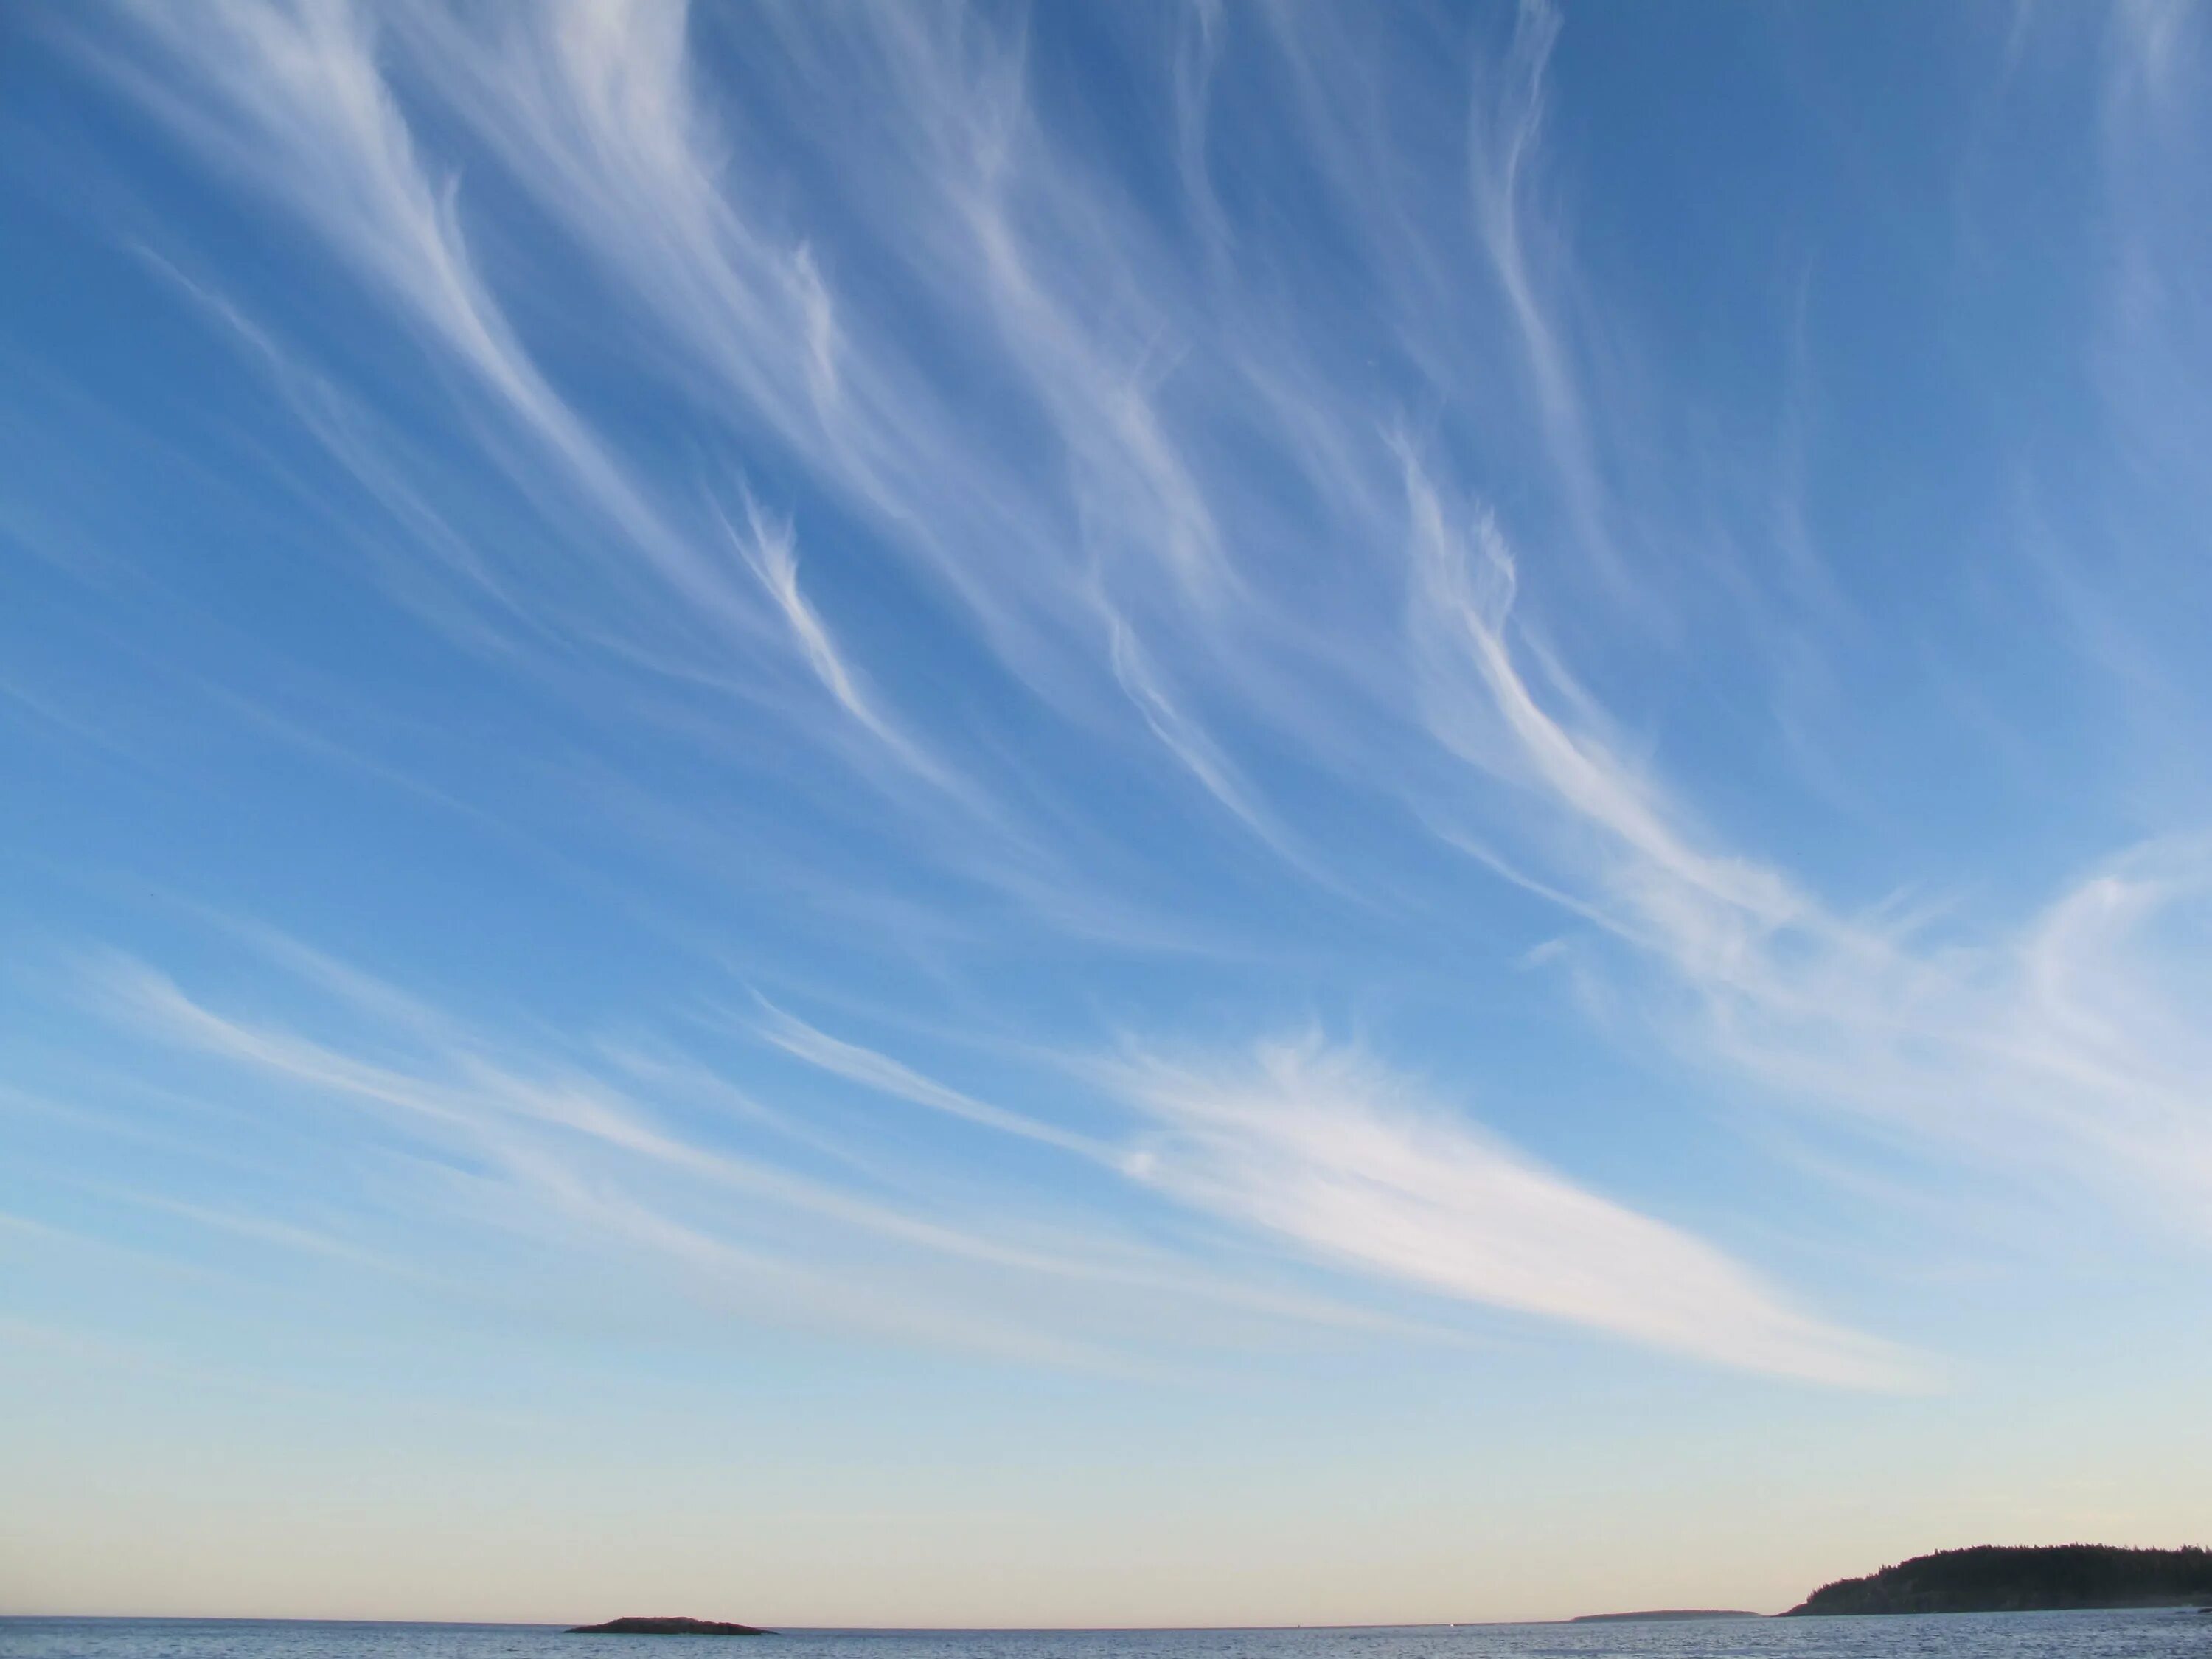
1325,1149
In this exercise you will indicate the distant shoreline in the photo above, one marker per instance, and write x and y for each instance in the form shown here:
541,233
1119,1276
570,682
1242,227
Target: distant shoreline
2182,1603
561,1627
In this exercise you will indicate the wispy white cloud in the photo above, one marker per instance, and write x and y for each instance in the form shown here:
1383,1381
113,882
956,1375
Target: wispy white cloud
1505,158
1325,1148
294,98
522,1138
2022,1050
888,1076
1323,1151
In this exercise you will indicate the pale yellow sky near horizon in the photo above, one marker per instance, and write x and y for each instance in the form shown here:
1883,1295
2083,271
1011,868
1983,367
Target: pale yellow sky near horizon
295,1530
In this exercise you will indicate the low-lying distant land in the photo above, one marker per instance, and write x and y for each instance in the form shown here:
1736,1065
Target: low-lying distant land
1987,1578
1993,1579
1990,1578
666,1627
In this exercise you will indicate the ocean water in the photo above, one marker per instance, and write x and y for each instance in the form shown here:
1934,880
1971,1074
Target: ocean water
2136,1634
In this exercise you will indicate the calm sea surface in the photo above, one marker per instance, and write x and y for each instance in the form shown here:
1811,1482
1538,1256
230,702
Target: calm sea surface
2149,1634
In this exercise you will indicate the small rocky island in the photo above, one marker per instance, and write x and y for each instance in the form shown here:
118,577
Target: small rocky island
1993,1579
666,1627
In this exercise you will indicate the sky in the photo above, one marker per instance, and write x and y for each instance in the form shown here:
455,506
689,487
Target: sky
1203,813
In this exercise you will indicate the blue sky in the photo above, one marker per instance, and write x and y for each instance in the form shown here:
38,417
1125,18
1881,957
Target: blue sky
1121,814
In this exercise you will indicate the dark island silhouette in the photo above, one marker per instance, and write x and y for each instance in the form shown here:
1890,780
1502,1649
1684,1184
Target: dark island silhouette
666,1627
1993,1579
